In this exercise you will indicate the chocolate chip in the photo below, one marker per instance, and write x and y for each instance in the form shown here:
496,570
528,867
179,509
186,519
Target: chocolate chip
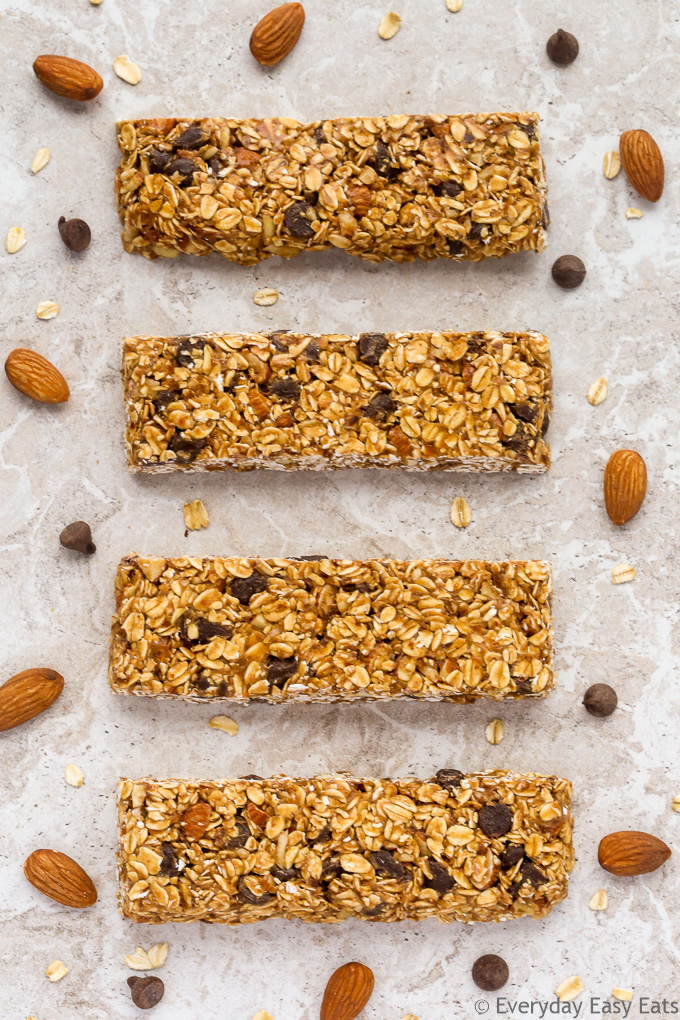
285,388
146,991
495,819
75,233
526,411
562,47
310,559
384,863
513,853
251,775
476,231
284,874
243,588
521,441
319,136
280,670
545,215
546,423
372,346
169,862
455,247
203,683
185,449
78,536
311,352
374,911
323,837
382,163
381,406
216,165
192,138
568,271
447,189
247,894
164,398
490,972
158,160
330,869
207,630
279,340
450,778
184,352
440,881
186,168
297,220
530,873
600,700
523,687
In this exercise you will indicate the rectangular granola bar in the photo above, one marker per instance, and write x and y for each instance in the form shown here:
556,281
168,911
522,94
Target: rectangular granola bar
426,401
331,630
400,188
489,846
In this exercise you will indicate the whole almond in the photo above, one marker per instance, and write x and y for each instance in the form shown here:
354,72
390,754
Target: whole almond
642,160
276,33
28,694
67,77
632,853
625,485
347,992
36,377
57,876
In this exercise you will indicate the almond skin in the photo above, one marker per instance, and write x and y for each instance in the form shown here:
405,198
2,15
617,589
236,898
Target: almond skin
28,694
57,876
347,992
625,485
66,77
642,160
632,853
195,820
276,34
36,377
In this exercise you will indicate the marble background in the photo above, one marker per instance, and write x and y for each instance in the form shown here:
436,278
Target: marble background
65,463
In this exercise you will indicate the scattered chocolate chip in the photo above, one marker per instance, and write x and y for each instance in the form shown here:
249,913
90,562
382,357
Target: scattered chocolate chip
562,47
440,881
450,778
158,160
382,163
568,271
280,670
75,233
169,862
600,700
513,853
490,972
164,398
323,837
146,991
184,352
330,869
385,864
192,138
530,873
381,406
243,588
78,536
284,874
297,221
526,411
495,819
186,168
249,896
285,388
185,449
447,189
372,346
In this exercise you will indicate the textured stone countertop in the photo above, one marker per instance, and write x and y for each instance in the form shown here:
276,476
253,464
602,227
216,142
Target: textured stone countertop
65,463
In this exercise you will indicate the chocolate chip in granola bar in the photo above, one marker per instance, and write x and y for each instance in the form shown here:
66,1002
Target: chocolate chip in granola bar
521,439
381,162
530,873
381,406
285,388
526,410
284,874
385,863
450,778
475,231
320,136
186,449
158,160
75,233
441,881
568,271
216,165
296,218
78,536
600,700
490,972
455,247
280,670
372,346
246,893
495,819
169,863
323,836
243,588
523,686
192,138
186,168
447,189
184,352
375,911
330,869
312,352
207,630
251,775
203,683
546,423
562,48
163,398
513,853
147,991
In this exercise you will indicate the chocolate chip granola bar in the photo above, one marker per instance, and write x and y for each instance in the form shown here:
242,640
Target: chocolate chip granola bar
400,188
488,846
421,401
318,629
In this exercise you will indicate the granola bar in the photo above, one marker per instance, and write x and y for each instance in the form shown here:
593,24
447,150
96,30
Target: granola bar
400,188
422,401
317,629
488,846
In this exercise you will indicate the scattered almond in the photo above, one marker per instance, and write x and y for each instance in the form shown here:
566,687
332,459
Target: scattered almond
622,573
643,163
597,392
195,515
56,971
143,960
611,165
276,34
74,775
460,512
569,989
266,296
625,485
494,731
632,853
599,900
127,69
16,239
57,876
40,160
622,994
347,992
27,694
36,377
675,803
68,78
633,213
389,25
47,310
223,722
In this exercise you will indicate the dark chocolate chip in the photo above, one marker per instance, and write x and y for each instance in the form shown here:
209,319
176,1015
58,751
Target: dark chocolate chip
247,894
75,233
216,165
495,819
526,411
450,778
600,700
546,423
319,136
184,352
455,247
310,559
375,911
372,346
545,215
169,862
382,163
476,231
146,991
385,864
158,160
192,138
323,837
297,221
164,398
523,686
251,775
521,441
278,340
202,684
186,450
280,670
207,630
562,47
186,168
311,352
447,189
441,881
330,869
284,874
78,536
243,588
513,852
530,873
568,271
380,406
490,972
285,388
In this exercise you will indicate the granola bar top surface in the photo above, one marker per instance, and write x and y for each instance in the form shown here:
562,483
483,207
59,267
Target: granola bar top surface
399,187
331,630
420,401
487,846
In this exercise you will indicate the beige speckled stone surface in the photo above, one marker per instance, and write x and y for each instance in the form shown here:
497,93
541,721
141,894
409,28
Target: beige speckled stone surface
64,463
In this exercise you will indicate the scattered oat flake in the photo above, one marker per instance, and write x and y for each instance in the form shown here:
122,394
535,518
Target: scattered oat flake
47,310
74,775
460,512
95,3
623,994
633,213
611,165
262,1014
675,804
40,160
569,989
16,239
599,900
597,392
389,25
409,1016
127,69
266,296
494,731
195,515
622,573
223,722
454,5
56,971
143,960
